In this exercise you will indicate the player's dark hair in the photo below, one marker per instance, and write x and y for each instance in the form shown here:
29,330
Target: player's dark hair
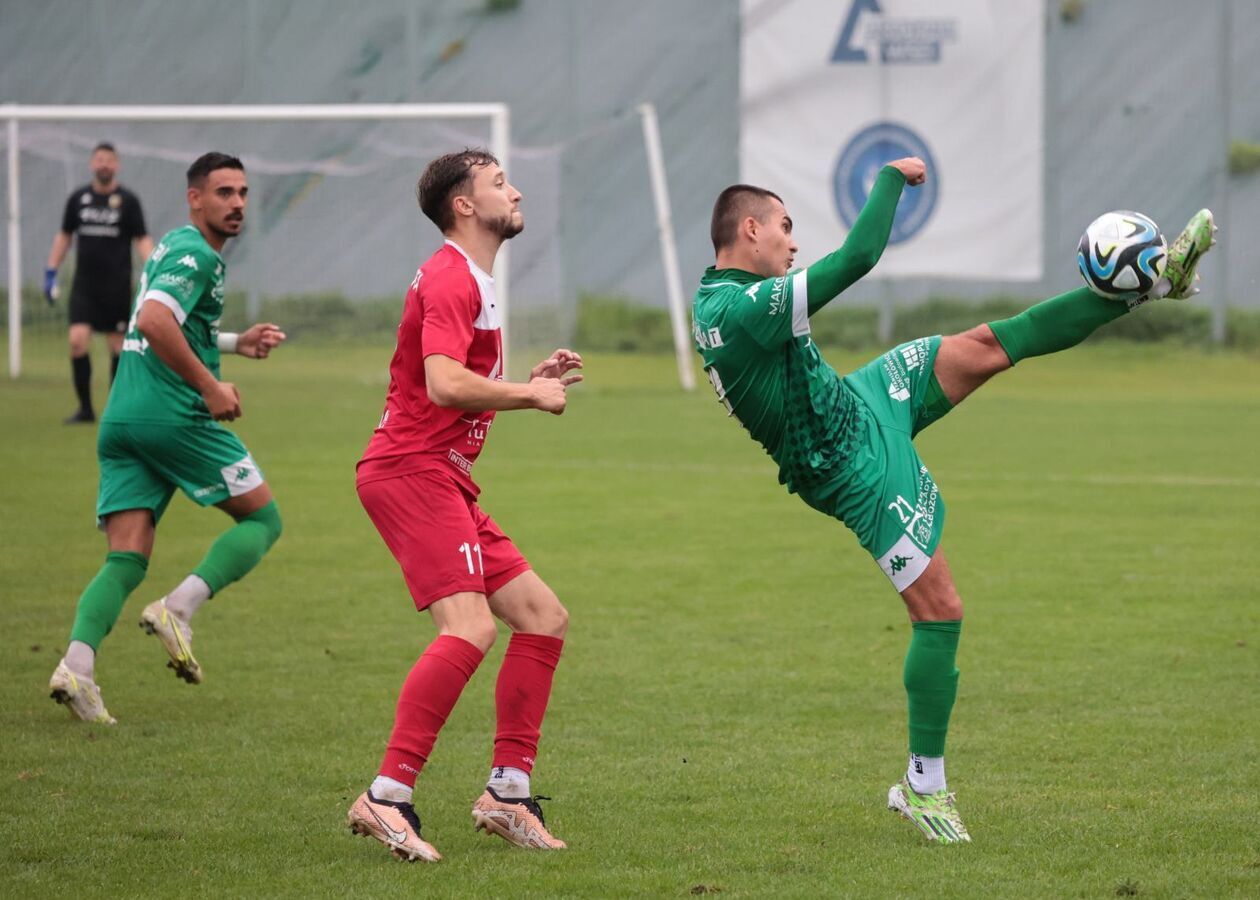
733,204
206,163
446,177
105,145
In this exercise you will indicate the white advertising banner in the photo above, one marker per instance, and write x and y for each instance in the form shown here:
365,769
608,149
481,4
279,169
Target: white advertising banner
833,89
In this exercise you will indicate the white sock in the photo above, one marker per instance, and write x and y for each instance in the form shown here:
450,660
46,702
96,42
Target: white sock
385,788
81,658
184,600
926,773
509,782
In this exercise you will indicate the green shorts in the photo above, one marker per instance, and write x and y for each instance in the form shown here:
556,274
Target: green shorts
143,464
886,495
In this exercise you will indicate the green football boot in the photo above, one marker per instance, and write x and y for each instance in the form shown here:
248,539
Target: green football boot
933,814
1184,253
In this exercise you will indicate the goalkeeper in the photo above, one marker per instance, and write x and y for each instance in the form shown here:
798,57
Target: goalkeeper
845,445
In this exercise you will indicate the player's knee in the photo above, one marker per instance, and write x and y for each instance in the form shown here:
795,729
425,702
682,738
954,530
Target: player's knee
545,614
481,632
989,349
557,621
269,518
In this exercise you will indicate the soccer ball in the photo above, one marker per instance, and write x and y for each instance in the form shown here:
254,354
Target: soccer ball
1122,255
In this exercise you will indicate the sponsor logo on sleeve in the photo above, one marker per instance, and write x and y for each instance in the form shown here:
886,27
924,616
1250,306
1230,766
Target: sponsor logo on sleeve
183,282
188,260
778,296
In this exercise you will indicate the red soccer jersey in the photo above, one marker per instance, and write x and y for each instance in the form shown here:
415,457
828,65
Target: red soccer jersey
450,309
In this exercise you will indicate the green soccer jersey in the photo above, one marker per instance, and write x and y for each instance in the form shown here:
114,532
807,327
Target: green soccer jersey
753,333
754,336
186,275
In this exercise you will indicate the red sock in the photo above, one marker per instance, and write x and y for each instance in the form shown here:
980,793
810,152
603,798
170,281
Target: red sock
520,697
427,698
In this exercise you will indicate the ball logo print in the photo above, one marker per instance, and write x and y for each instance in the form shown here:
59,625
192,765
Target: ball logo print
1121,255
859,164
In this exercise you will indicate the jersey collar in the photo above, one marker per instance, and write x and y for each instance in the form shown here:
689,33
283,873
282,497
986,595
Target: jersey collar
472,265
715,274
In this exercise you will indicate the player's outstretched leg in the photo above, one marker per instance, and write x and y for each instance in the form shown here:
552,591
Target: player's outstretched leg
1066,320
73,682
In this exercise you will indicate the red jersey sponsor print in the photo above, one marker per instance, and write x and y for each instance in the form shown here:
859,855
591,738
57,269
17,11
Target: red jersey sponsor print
451,310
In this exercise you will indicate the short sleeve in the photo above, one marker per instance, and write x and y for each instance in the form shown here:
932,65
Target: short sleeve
133,221
775,310
179,280
70,217
450,302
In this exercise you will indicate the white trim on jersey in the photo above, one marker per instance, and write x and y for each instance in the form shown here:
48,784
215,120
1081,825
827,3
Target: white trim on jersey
488,318
169,302
800,304
476,270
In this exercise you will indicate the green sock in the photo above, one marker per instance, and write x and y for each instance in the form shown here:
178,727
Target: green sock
102,600
931,680
240,548
1055,324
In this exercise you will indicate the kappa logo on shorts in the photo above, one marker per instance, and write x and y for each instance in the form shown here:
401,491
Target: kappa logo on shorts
241,477
897,563
903,563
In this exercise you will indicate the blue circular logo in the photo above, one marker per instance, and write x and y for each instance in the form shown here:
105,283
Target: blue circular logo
859,163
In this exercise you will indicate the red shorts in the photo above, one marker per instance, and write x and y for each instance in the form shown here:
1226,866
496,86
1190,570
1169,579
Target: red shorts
442,540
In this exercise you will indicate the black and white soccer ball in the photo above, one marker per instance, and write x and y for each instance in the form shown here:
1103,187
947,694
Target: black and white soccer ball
1122,255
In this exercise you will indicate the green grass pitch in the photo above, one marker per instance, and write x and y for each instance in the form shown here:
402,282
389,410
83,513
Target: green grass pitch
729,712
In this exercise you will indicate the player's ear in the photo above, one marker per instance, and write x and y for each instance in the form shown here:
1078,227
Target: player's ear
749,227
462,205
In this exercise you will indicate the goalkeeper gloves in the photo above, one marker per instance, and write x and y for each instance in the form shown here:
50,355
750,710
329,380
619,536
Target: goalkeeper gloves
50,286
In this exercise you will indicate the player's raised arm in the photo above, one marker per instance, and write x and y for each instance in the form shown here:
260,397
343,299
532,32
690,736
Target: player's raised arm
862,249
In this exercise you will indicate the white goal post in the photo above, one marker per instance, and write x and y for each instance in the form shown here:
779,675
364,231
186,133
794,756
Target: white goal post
14,114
